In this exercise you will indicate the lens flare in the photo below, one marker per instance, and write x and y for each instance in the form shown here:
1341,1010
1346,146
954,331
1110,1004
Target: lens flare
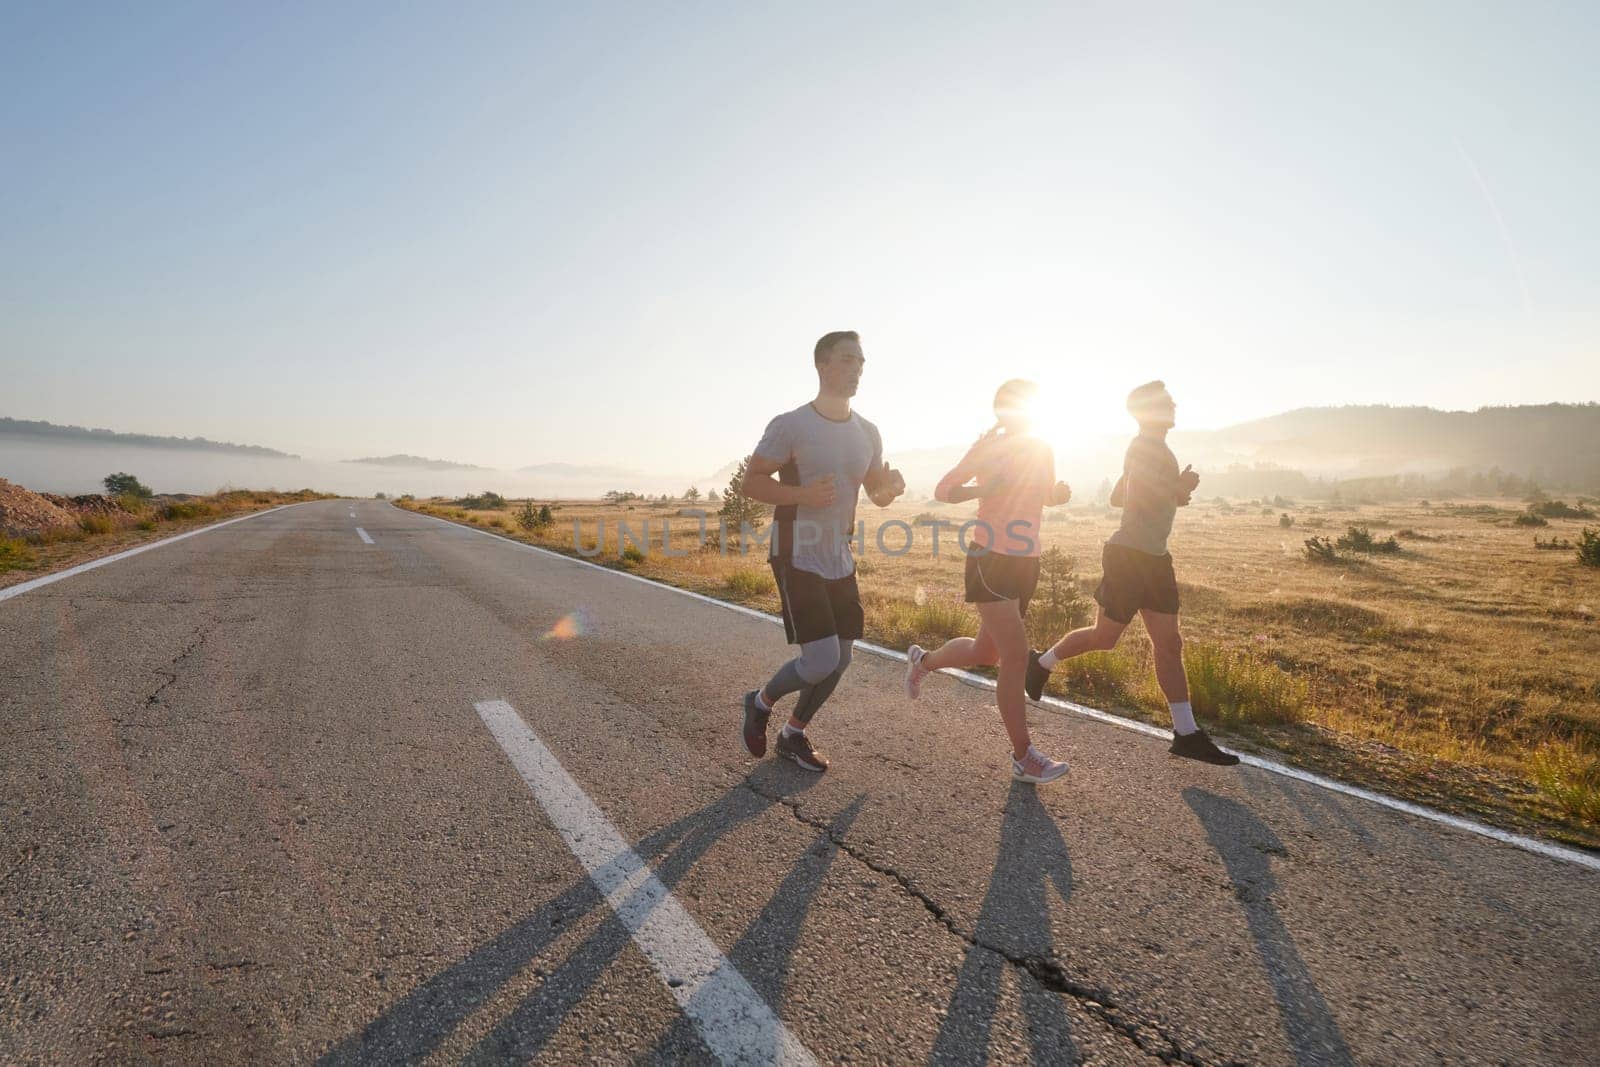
572,625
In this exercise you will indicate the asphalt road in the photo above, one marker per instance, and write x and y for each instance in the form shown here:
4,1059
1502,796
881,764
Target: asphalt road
254,807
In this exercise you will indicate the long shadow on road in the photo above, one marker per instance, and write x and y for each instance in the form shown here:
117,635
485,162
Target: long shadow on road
423,1019
764,952
1246,844
1033,859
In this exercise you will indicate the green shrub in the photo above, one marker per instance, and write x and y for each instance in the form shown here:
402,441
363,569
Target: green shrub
54,535
16,554
186,509
1235,685
1321,550
120,483
485,501
1530,519
1559,509
1360,539
901,621
147,524
1589,547
1569,774
739,511
1105,677
748,582
1058,604
90,523
532,520
631,556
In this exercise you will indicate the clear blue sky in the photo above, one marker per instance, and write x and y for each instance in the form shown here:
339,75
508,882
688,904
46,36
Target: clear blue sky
525,233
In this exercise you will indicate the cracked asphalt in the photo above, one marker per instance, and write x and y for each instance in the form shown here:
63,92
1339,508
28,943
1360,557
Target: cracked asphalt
248,813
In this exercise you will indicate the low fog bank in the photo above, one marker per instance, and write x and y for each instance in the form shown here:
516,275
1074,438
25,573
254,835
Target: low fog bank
74,469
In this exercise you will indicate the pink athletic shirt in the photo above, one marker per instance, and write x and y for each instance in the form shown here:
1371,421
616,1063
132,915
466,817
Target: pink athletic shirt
1024,468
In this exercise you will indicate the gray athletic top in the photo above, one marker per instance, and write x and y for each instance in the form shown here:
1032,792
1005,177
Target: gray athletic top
809,447
1150,500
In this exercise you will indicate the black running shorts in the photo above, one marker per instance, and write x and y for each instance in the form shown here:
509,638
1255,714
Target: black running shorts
1132,581
993,577
815,607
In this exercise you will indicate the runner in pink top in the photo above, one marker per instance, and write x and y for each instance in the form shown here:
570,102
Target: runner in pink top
1016,473
1016,481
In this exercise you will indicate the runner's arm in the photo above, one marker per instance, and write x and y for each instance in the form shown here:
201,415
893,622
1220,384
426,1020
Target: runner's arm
760,485
883,485
953,487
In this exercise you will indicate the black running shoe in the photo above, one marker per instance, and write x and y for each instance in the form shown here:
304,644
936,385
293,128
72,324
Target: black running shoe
798,748
1198,746
755,726
1037,675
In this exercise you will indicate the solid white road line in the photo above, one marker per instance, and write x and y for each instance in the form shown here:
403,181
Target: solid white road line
1505,837
18,590
364,535
735,1023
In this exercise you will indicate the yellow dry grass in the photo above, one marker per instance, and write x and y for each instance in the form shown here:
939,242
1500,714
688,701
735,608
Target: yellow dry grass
1447,672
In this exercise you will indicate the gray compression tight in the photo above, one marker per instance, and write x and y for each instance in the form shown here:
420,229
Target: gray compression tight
813,674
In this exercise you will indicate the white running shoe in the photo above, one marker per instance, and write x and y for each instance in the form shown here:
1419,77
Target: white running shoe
914,672
1036,768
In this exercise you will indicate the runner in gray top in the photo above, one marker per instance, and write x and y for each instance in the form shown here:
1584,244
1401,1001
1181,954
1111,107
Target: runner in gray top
1137,576
808,446
823,454
1150,491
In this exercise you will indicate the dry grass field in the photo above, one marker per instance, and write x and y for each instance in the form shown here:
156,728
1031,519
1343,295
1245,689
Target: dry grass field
1459,671
123,522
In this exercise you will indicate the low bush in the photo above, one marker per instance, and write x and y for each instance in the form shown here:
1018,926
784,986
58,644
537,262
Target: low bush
1360,539
1568,773
186,509
1530,519
533,519
1286,520
1321,550
901,621
1101,677
96,524
1559,509
631,556
1589,547
1555,544
1235,685
749,582
16,554
1058,604
484,501
121,482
